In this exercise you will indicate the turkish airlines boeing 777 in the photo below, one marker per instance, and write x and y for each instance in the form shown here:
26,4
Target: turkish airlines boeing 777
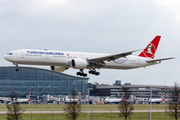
62,60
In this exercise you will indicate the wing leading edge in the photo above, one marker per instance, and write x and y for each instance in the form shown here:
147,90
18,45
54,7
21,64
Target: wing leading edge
112,57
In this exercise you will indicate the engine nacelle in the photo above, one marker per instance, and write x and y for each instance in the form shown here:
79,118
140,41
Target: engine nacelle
58,68
79,63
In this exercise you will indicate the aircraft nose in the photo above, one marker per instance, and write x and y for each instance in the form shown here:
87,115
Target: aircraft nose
5,57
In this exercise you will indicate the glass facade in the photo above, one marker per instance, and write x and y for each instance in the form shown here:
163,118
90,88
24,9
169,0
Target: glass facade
39,82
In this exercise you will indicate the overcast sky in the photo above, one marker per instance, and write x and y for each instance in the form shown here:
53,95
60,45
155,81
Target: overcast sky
102,26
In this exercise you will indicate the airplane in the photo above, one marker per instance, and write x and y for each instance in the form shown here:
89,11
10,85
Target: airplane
59,61
67,100
5,99
114,101
157,100
18,100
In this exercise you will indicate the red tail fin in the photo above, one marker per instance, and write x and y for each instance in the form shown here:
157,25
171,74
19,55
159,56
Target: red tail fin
29,99
79,97
122,97
150,50
162,97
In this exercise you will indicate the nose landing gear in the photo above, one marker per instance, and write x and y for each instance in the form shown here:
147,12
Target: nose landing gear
17,68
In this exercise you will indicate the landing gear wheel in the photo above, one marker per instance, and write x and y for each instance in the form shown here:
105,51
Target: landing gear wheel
93,72
78,73
90,72
84,75
97,73
81,73
17,69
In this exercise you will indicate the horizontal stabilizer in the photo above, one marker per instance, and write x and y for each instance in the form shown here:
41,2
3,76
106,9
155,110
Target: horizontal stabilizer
155,60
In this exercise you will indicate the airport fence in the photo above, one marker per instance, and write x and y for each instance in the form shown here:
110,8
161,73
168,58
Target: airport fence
92,115
137,115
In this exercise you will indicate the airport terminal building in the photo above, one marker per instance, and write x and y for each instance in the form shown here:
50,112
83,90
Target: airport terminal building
39,82
117,89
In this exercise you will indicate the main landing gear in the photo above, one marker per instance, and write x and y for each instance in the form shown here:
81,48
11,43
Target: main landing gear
81,73
93,72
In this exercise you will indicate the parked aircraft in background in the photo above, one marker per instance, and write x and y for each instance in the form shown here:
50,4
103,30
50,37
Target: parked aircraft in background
5,99
19,100
63,60
157,100
71,100
113,101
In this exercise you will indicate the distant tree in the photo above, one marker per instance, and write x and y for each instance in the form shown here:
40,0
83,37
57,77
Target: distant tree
174,103
14,109
126,107
72,109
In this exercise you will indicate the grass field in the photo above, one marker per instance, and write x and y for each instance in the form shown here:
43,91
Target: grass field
94,116
55,107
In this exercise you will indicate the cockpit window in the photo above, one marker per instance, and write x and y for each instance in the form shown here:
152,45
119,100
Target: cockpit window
9,53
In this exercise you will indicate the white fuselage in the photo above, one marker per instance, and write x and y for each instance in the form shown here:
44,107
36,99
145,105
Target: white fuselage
19,100
109,100
71,100
155,100
22,100
63,58
5,99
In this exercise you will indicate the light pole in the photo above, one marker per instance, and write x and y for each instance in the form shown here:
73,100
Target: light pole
150,101
87,107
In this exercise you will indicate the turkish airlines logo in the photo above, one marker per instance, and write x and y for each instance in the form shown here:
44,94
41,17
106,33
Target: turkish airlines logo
150,51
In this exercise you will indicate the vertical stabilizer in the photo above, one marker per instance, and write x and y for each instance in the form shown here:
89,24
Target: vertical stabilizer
150,50
79,97
162,97
122,97
29,97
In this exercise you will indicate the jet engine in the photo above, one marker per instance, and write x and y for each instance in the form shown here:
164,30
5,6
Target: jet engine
79,63
58,68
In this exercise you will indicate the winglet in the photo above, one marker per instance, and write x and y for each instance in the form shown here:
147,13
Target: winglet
150,50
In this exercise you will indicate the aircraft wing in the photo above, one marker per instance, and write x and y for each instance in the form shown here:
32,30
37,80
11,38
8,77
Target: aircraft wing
155,60
111,57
